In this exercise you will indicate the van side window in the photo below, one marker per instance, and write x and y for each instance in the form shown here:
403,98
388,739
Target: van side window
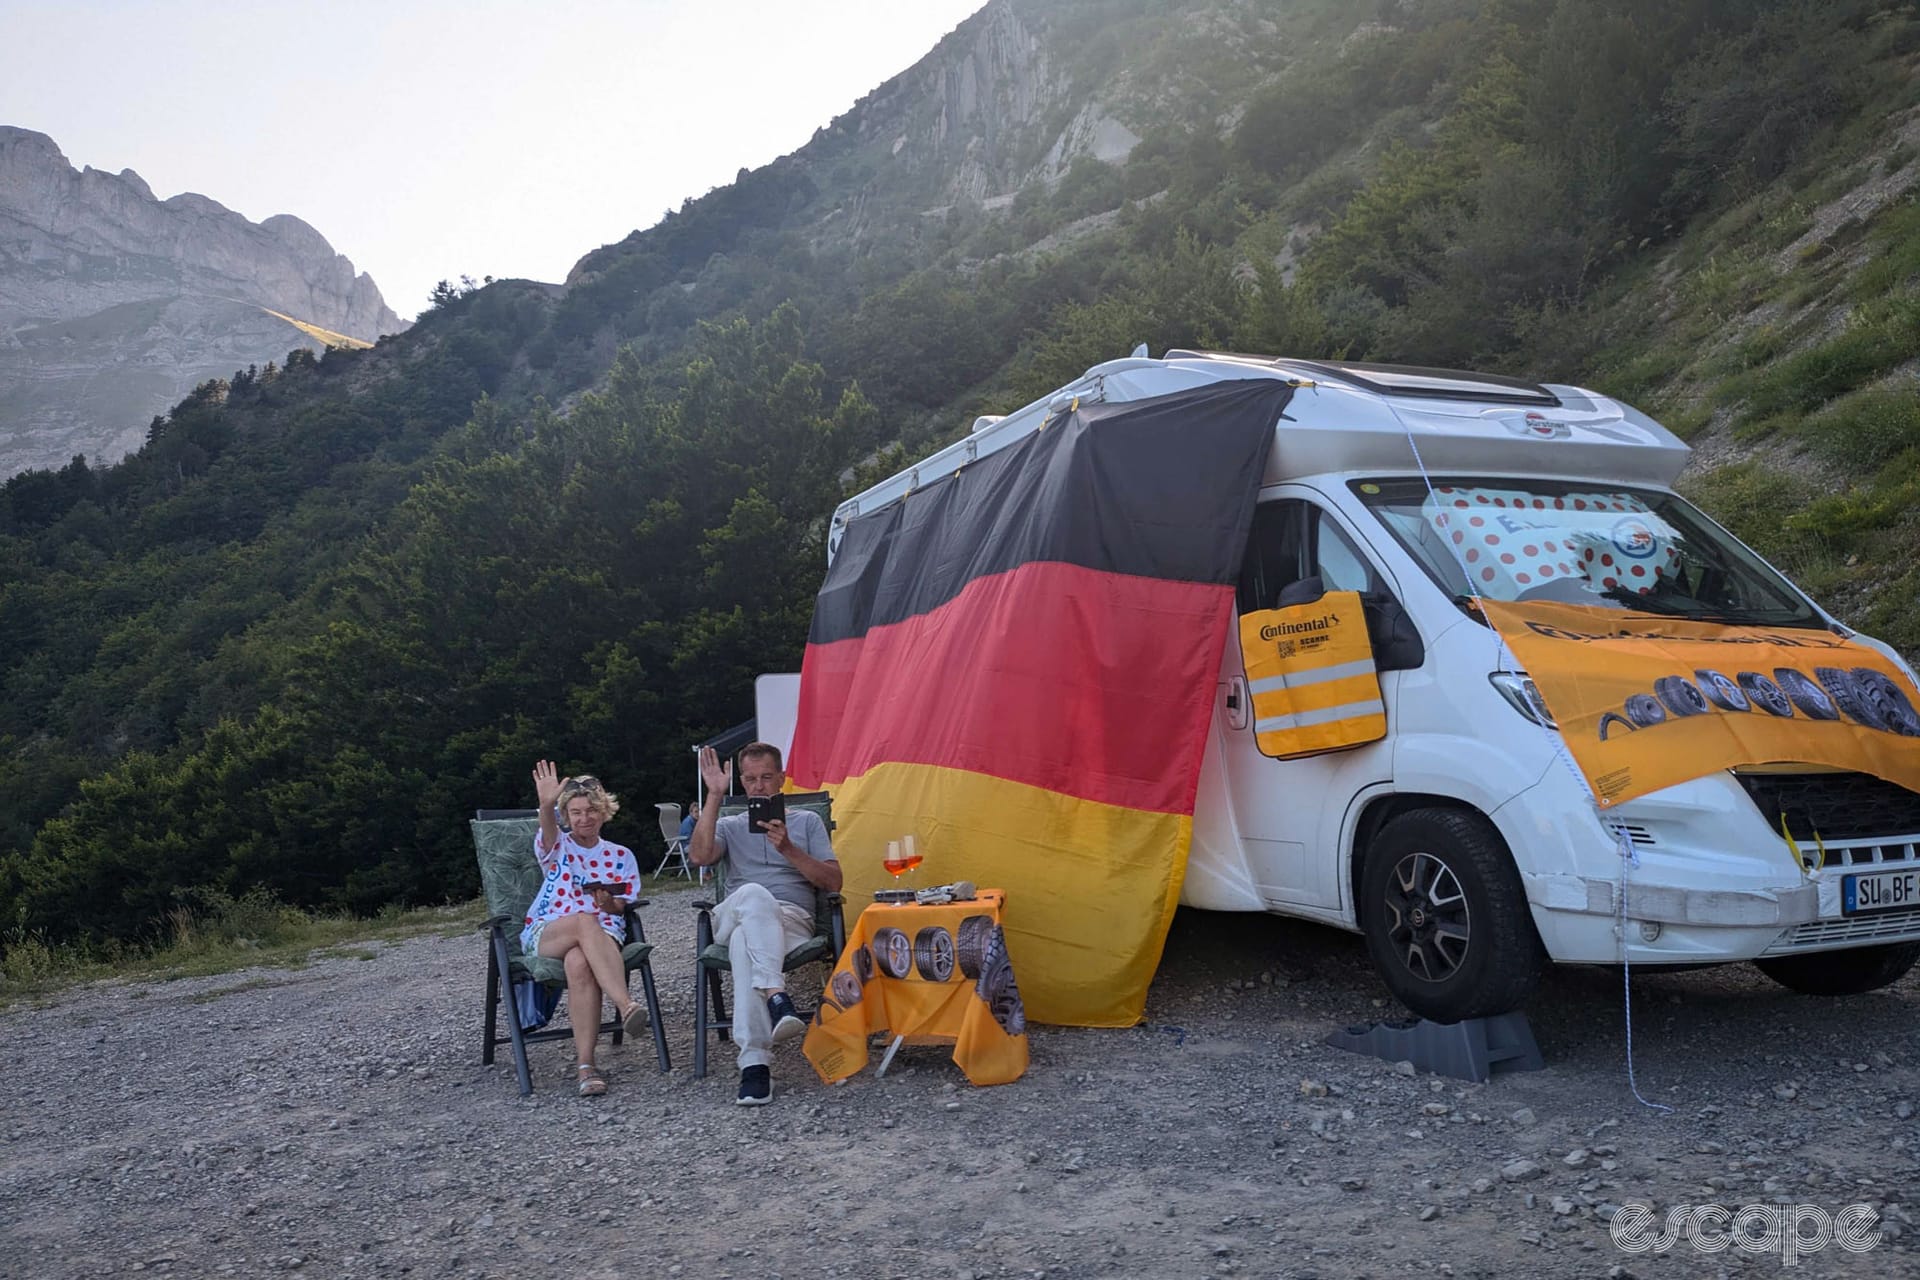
1276,554
1338,562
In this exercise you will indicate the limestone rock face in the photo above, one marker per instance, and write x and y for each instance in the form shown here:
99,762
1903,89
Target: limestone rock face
114,305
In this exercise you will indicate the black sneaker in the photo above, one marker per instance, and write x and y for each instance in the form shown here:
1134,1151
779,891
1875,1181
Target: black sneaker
756,1087
786,1019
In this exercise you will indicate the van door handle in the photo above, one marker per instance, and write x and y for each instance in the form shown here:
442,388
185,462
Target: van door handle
1237,702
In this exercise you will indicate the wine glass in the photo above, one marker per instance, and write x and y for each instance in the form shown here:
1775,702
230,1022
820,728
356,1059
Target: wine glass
895,862
911,859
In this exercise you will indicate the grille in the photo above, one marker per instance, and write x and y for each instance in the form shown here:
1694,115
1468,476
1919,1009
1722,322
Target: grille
1837,806
1893,926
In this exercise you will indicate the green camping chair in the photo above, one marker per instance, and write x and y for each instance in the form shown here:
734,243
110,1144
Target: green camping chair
711,959
510,876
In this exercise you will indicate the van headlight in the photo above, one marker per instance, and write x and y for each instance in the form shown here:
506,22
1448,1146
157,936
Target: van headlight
1523,695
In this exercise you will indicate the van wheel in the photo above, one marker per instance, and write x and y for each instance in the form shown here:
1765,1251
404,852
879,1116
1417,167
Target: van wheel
1842,973
1445,917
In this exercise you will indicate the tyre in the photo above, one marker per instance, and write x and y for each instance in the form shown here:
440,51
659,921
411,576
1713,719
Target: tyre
1644,709
1721,691
1812,700
1445,917
1846,696
863,965
1888,700
1765,694
1842,973
997,988
970,949
1679,696
846,989
892,953
933,953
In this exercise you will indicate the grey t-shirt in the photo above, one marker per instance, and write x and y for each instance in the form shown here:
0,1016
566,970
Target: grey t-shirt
751,857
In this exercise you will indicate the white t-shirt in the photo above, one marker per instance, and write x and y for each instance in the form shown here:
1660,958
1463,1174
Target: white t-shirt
568,866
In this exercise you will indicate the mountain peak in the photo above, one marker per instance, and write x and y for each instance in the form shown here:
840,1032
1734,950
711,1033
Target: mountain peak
115,303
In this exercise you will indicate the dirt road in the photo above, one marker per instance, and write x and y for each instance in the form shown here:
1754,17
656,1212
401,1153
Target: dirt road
335,1121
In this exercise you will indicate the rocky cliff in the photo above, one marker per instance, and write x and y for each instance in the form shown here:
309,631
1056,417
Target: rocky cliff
115,304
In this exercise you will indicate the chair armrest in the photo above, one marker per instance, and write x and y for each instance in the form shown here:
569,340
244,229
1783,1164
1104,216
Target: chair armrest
703,906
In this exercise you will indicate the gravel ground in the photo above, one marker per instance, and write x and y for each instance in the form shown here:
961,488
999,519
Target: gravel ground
335,1121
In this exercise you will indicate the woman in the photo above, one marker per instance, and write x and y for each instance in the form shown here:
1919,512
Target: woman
578,915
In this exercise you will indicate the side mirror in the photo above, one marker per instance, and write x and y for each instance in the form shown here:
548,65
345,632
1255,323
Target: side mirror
1396,641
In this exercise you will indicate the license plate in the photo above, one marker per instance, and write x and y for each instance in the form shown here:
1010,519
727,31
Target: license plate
1879,891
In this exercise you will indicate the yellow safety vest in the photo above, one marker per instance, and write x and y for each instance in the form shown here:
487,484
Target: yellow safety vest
1311,677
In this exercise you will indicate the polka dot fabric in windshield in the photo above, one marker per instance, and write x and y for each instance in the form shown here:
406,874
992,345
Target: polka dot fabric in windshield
1514,543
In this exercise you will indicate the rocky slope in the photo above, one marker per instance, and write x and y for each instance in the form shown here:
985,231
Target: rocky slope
115,304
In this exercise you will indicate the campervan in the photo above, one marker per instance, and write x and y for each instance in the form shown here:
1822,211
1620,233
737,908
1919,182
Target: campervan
1463,844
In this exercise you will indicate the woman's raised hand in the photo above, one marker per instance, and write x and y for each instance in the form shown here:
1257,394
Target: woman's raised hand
546,784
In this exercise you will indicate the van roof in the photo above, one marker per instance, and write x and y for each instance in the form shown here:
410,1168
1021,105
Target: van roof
1356,418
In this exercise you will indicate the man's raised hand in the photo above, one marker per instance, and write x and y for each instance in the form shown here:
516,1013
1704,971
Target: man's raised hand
717,776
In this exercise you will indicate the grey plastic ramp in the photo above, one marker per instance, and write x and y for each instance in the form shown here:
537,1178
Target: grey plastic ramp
1470,1050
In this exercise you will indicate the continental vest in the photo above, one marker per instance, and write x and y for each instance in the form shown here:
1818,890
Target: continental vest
1311,677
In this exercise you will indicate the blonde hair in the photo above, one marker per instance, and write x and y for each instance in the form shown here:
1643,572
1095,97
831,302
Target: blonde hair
601,800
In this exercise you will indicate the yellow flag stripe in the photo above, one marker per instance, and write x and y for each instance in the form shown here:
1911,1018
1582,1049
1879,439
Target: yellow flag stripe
1091,887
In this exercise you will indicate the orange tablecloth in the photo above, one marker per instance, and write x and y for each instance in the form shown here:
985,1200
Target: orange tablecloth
933,975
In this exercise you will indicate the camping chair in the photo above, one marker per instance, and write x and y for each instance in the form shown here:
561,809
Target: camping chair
676,847
510,876
711,959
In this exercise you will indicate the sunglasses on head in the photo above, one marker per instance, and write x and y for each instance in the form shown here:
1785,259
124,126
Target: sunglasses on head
585,782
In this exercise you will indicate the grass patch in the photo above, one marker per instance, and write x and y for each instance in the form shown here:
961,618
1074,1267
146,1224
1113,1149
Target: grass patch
1877,337
216,934
1895,263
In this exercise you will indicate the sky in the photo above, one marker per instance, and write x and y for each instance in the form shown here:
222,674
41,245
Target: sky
428,139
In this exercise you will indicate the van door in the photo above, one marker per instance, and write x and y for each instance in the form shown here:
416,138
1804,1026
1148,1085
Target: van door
1288,814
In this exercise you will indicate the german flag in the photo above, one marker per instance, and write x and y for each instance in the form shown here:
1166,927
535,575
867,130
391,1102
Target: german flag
1016,663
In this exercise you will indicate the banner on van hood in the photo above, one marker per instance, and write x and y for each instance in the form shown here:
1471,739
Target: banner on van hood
1646,701
1016,663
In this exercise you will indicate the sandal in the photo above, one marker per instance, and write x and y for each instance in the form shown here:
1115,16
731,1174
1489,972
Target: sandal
592,1083
635,1019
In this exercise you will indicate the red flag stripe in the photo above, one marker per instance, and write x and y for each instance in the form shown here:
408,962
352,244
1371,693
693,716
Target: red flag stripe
1126,728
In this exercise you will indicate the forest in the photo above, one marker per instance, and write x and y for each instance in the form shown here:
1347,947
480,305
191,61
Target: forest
334,605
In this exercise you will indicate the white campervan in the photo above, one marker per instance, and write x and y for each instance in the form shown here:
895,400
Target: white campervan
1461,844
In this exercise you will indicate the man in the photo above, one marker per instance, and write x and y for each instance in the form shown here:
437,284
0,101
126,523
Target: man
768,910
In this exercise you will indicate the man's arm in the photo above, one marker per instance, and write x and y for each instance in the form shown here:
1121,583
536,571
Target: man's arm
703,849
822,873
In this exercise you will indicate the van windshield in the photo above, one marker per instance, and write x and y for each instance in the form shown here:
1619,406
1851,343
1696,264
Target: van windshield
1580,543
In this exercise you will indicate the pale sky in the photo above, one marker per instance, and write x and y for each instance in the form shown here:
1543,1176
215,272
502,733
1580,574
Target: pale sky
429,138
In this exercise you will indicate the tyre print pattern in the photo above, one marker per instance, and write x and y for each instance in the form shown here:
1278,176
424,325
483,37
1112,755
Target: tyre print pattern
933,953
1765,694
892,953
1721,691
863,964
1805,694
1679,696
1888,701
997,988
846,989
1644,709
1846,696
970,950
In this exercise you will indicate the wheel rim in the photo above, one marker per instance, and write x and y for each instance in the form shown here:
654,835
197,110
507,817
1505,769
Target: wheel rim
1428,921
